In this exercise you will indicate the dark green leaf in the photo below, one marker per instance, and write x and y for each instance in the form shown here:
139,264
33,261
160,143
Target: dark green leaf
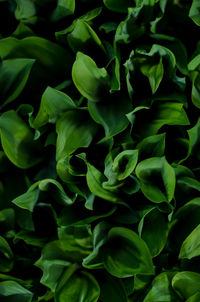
127,254
153,229
157,179
14,74
102,113
12,291
112,289
6,256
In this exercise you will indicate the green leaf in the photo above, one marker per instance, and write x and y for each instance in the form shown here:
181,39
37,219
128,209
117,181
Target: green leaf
124,163
128,29
6,256
120,6
72,216
7,219
184,221
17,141
30,238
186,284
160,114
88,288
155,74
157,179
25,10
191,246
161,289
127,254
153,229
194,298
194,12
51,59
94,180
75,130
53,103
27,200
112,289
193,66
14,75
91,81
64,8
194,140
177,48
52,262
82,36
152,146
95,259
13,291
22,31
76,239
111,115
168,114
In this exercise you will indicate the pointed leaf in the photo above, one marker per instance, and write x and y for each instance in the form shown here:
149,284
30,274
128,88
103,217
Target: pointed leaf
127,254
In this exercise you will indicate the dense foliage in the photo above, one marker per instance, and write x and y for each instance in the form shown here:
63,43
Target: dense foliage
99,150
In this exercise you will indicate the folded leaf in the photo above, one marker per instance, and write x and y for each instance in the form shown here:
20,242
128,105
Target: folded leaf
13,291
53,103
94,180
79,286
75,130
91,81
14,75
52,262
124,163
111,114
186,284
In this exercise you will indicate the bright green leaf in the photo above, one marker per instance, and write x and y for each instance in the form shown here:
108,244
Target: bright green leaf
91,81
17,141
186,284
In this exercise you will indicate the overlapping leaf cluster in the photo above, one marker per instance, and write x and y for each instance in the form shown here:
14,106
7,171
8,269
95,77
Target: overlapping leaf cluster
99,150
